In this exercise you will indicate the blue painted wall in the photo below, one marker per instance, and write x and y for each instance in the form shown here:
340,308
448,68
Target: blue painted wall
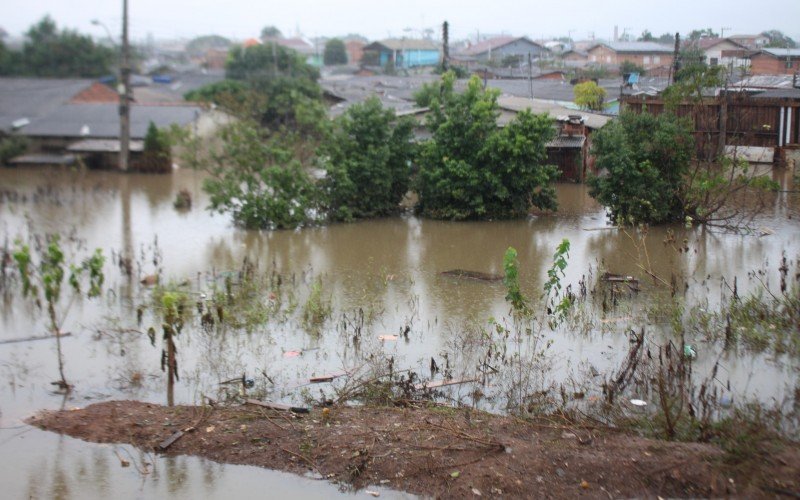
411,58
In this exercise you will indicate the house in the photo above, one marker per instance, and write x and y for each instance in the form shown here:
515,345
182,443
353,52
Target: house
723,52
355,51
506,50
403,53
575,58
645,54
309,51
775,61
752,42
56,114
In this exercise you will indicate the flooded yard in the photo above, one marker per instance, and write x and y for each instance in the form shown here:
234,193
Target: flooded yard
333,299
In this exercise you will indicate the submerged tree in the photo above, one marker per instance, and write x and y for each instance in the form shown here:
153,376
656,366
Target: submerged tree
368,162
470,169
335,52
255,178
589,95
645,159
42,271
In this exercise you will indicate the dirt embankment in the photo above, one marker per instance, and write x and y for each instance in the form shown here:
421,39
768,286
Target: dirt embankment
432,451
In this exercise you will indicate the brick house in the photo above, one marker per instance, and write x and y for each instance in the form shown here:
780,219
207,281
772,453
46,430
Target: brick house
645,54
775,61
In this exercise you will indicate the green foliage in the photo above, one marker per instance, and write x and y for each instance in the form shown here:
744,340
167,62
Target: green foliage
47,277
335,52
470,169
11,146
284,89
367,159
589,95
702,33
645,158
50,52
201,44
779,40
557,306
255,179
631,67
270,32
227,93
458,70
514,295
428,93
646,37
155,140
317,308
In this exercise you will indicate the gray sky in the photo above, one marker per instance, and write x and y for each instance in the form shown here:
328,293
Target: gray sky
241,19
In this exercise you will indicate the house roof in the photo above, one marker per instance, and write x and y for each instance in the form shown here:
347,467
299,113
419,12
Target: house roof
296,44
32,98
765,82
567,141
496,43
516,104
707,43
636,47
102,120
403,44
779,52
791,93
95,93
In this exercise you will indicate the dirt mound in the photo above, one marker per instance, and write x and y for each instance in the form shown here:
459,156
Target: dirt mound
441,452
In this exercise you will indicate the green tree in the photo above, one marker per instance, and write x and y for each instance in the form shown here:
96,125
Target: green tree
42,270
367,159
646,37
255,178
201,44
778,39
335,52
48,52
270,32
631,67
589,95
644,160
470,169
695,35
285,87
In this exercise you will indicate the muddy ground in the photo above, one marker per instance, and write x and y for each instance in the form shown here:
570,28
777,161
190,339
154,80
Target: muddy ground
436,451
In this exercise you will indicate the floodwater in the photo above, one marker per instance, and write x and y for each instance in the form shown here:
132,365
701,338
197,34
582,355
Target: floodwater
387,269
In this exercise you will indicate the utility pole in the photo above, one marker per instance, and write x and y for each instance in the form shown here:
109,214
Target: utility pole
445,46
124,98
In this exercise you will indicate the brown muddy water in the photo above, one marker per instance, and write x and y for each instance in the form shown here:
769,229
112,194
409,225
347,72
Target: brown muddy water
385,271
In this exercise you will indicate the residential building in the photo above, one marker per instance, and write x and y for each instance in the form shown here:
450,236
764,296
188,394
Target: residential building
508,49
575,58
752,42
355,51
724,52
775,61
645,54
403,53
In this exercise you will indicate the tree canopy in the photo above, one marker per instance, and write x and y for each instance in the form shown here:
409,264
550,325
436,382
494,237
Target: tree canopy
50,52
470,169
270,32
645,159
779,40
335,52
368,162
589,95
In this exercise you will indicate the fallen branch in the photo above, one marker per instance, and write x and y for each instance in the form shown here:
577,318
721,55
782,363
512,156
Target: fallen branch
277,406
30,339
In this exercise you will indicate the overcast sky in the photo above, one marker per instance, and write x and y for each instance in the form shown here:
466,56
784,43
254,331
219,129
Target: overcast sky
240,19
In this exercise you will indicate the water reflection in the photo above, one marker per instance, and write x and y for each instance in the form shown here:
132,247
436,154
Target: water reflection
390,268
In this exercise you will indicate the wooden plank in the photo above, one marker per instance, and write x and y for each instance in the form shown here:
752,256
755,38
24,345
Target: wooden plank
168,442
327,377
434,384
277,406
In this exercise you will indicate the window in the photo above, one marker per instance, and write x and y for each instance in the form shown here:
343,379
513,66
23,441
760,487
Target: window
593,58
714,61
789,64
656,59
647,59
608,58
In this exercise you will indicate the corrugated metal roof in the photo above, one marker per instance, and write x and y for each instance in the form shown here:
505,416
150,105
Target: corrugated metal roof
496,43
637,47
32,98
778,94
102,120
539,106
567,142
404,44
778,52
